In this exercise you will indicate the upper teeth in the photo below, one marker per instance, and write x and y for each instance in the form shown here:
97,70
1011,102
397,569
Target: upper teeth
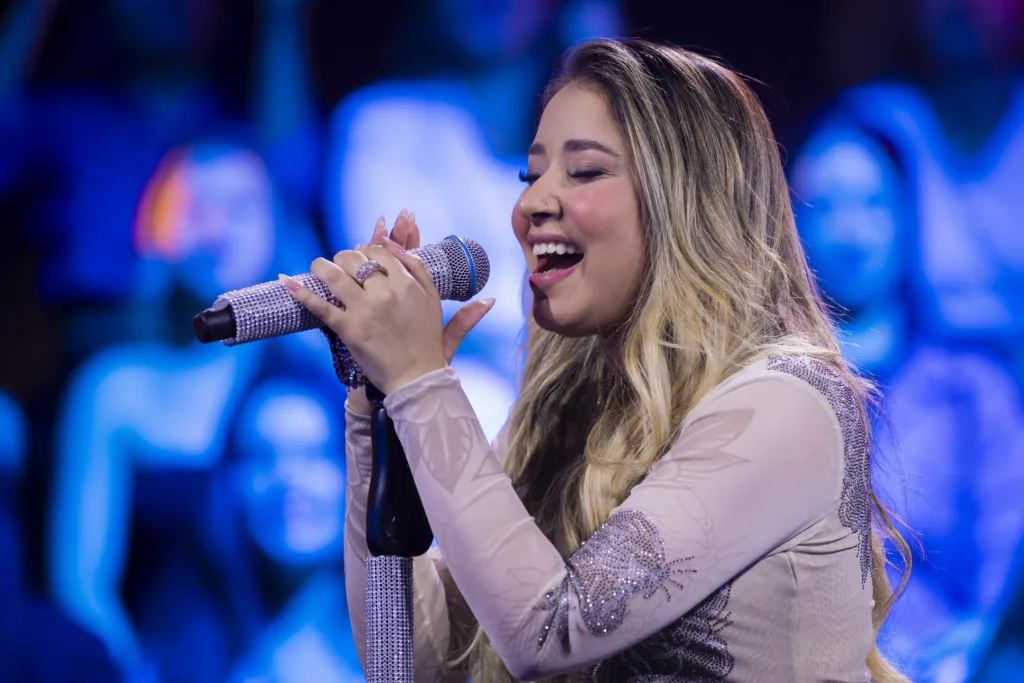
553,248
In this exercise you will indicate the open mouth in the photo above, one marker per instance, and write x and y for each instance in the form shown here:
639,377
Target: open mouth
554,256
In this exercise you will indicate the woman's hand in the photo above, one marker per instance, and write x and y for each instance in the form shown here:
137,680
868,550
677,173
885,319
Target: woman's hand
392,324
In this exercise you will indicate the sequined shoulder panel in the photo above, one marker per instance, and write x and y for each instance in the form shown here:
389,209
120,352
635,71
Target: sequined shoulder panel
691,650
855,501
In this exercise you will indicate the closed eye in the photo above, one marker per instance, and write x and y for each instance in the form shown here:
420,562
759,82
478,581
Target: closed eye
587,174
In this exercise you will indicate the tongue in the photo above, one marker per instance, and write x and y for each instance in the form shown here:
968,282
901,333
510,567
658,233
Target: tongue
559,261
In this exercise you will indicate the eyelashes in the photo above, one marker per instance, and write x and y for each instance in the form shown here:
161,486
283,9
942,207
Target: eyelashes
528,178
580,176
587,174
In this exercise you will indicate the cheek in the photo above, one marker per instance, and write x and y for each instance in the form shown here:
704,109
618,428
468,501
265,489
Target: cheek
608,221
604,212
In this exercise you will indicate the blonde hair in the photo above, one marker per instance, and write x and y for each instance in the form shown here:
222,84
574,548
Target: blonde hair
726,283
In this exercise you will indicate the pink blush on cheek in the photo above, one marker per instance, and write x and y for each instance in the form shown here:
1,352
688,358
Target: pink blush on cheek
603,210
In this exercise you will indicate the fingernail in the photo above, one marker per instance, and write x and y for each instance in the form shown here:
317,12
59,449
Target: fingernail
403,214
378,225
291,284
490,303
412,216
393,246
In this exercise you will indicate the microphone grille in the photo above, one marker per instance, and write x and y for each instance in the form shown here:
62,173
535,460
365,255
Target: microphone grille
459,267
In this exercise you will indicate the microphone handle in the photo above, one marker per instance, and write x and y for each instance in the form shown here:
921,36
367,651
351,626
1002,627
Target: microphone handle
396,523
458,267
259,312
215,324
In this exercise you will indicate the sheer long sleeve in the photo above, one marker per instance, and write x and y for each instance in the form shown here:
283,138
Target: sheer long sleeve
443,623
757,463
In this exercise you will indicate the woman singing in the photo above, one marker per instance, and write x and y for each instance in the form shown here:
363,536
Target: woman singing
682,491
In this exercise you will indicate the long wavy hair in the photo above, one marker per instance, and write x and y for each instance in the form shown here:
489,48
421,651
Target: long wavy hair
726,283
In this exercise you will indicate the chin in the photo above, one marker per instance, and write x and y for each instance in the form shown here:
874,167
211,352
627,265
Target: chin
548,319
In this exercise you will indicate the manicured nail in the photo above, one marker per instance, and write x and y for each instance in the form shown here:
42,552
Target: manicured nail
412,216
291,284
379,225
490,303
404,214
393,246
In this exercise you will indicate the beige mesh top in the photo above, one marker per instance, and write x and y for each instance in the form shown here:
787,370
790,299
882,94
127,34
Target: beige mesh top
744,555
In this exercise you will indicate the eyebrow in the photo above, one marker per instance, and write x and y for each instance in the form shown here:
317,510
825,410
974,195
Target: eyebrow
575,145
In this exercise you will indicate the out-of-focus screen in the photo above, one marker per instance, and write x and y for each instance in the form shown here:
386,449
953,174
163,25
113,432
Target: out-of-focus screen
173,512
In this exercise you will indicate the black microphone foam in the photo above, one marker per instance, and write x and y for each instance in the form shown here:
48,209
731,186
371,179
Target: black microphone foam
458,266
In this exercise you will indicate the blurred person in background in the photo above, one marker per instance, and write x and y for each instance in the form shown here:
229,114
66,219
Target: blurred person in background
444,138
142,424
31,627
910,222
146,417
286,474
127,81
853,219
268,602
959,137
953,420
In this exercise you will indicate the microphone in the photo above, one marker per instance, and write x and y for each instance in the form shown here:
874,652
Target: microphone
458,266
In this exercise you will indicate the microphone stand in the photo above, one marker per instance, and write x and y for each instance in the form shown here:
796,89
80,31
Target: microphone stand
397,530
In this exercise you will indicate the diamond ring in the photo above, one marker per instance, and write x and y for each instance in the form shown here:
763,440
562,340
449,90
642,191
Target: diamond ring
368,269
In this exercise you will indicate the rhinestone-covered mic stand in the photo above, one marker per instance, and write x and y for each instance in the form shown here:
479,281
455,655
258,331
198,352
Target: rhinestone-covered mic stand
397,530
389,619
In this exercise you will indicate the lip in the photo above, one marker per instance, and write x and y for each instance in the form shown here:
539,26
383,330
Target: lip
549,278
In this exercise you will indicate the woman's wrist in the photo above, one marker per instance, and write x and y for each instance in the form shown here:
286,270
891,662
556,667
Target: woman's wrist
413,374
358,403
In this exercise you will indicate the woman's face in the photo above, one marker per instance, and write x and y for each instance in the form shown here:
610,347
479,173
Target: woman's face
230,218
293,480
851,221
578,220
214,221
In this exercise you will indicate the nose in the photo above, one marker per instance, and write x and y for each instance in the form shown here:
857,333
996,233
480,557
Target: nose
538,204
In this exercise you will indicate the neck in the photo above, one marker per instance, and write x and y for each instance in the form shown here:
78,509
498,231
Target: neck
613,348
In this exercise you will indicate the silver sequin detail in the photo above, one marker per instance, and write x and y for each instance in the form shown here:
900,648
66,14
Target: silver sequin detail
345,366
268,310
625,557
855,502
691,650
389,620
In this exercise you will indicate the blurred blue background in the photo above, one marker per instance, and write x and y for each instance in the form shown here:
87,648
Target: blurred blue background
171,512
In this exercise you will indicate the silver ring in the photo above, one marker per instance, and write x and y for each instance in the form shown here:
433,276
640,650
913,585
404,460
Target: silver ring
368,269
